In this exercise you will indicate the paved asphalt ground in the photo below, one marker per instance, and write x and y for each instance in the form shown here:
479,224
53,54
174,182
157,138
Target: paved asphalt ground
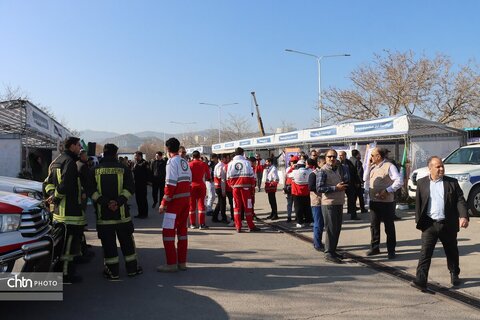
267,275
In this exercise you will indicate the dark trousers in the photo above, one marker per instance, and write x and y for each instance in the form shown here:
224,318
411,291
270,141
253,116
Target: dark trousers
72,248
221,206
259,179
142,202
332,218
230,202
303,210
430,237
383,211
351,201
361,199
108,235
158,185
273,202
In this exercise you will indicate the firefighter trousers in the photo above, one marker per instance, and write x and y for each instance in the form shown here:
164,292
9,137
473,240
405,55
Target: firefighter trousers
72,248
108,234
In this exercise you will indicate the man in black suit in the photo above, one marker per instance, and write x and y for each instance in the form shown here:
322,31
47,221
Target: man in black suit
440,211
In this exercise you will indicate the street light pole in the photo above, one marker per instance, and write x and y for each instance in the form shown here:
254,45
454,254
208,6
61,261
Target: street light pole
219,115
319,60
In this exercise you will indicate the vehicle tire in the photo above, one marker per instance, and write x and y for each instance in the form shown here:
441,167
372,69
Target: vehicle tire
7,267
474,201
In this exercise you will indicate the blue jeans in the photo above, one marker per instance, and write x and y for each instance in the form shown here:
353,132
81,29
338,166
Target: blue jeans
289,205
317,226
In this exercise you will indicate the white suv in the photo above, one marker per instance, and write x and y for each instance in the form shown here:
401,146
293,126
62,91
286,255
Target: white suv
462,164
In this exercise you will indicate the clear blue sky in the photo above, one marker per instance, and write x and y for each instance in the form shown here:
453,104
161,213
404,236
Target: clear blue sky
129,66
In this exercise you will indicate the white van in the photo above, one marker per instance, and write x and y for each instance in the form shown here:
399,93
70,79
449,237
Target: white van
462,164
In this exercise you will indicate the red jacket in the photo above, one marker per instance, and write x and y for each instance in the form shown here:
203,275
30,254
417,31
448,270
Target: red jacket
259,167
200,173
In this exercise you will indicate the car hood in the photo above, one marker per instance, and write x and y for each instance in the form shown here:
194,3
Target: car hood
449,170
9,183
18,200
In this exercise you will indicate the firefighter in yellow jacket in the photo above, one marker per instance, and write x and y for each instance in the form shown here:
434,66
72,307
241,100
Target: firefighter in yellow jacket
112,186
64,192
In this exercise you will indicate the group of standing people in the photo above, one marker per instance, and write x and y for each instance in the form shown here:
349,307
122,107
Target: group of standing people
316,187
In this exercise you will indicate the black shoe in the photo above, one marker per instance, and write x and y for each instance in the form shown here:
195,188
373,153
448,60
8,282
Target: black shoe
338,255
224,221
289,219
364,211
395,217
72,279
255,229
203,227
454,279
275,217
373,252
418,285
154,205
391,255
136,273
109,276
320,249
331,258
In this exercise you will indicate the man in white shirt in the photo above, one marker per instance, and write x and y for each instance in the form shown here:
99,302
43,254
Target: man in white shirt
440,211
381,181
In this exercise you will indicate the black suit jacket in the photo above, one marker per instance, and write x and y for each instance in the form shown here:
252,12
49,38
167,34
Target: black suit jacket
455,205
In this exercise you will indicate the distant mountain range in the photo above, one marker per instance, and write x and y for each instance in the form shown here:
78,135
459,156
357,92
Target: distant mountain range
132,141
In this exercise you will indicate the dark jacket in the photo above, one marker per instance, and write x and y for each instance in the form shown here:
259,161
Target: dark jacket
141,174
354,179
83,172
455,205
63,182
111,180
359,166
159,169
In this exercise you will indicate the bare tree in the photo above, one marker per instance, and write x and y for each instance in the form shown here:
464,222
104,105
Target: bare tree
237,127
401,83
151,146
11,93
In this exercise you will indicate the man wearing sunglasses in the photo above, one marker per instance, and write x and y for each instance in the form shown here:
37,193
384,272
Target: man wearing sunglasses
332,181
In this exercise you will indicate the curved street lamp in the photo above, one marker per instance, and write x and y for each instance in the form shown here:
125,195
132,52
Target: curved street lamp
319,59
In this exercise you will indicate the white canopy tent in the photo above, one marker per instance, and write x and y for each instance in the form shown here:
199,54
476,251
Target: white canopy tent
423,137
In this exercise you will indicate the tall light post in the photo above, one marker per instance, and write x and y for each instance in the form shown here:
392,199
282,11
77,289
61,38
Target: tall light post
219,115
182,124
319,59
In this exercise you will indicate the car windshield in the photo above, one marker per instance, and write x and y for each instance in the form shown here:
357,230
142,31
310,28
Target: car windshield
464,156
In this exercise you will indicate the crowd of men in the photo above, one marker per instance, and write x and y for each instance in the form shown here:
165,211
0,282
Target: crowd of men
316,187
